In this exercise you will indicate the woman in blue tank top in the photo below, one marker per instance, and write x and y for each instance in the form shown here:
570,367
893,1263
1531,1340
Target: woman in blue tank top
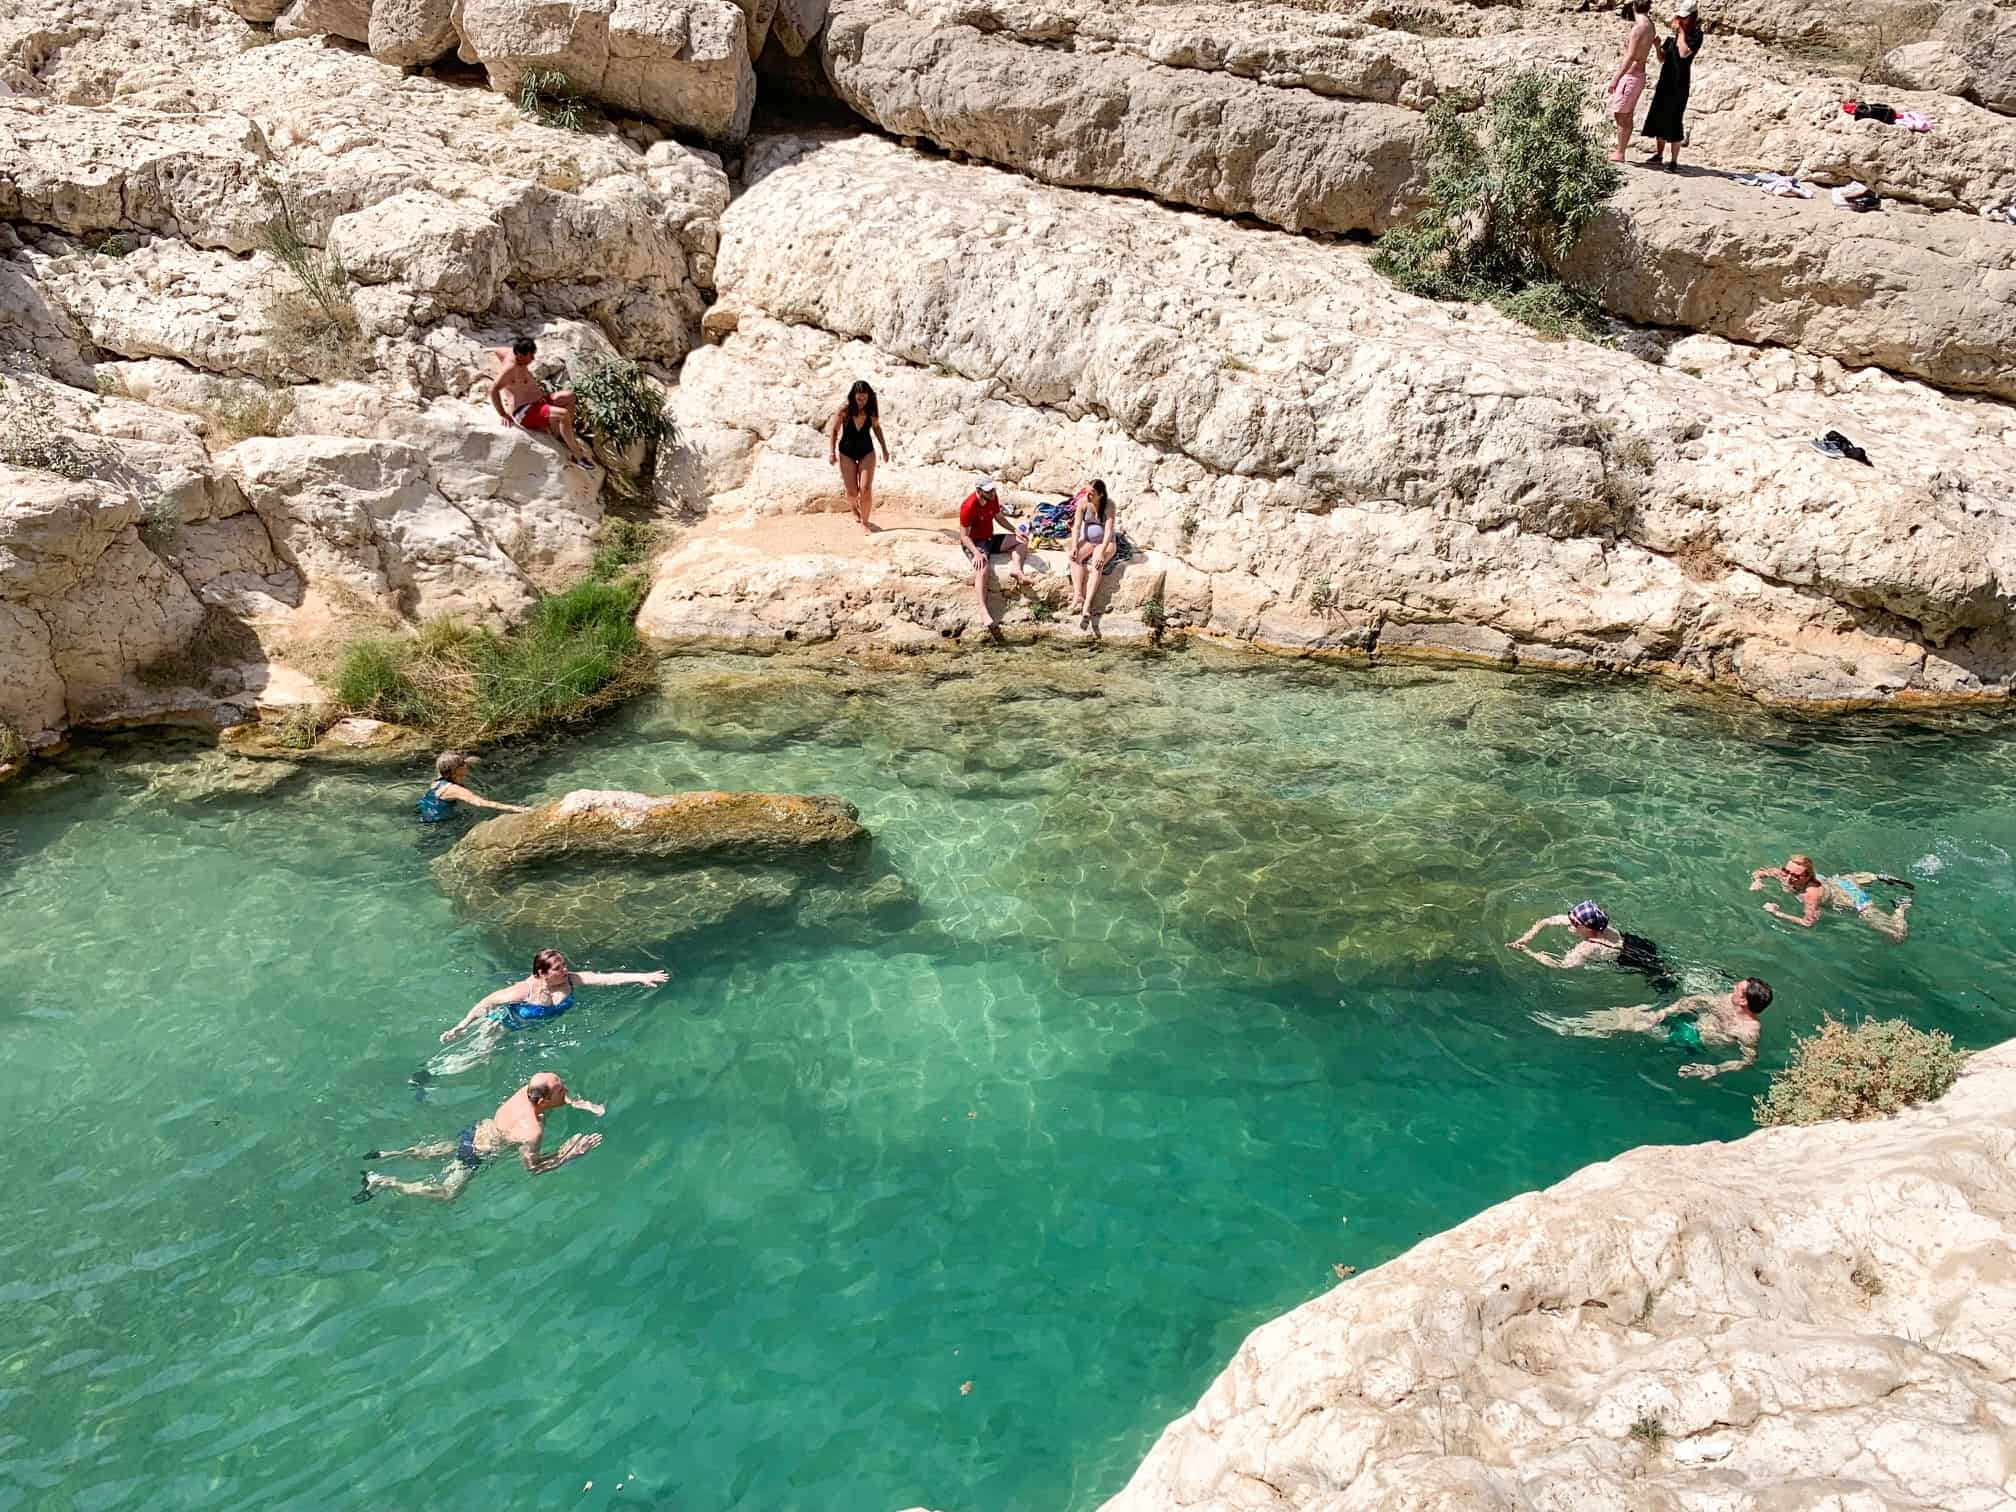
449,788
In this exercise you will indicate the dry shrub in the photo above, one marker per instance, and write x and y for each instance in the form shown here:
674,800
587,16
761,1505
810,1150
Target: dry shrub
32,437
1876,1068
1879,28
314,324
12,746
246,410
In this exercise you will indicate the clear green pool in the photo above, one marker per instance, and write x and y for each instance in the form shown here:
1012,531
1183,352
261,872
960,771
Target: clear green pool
1208,994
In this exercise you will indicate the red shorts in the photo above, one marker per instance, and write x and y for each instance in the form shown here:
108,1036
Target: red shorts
535,415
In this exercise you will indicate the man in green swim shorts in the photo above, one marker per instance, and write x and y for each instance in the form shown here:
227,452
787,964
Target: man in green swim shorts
1694,1023
519,1120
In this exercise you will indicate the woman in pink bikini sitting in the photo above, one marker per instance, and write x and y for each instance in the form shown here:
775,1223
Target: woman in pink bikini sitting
1628,83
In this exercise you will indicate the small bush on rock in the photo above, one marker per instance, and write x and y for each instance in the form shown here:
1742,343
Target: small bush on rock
12,746
313,324
1503,210
550,98
621,405
1876,1068
31,436
246,410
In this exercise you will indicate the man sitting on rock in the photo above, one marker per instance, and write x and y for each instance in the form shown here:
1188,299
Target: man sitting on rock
519,1120
983,517
521,400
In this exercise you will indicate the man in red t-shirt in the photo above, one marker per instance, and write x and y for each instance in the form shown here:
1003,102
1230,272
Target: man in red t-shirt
984,520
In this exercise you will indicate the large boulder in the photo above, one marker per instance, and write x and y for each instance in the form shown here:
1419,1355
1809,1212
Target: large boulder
1971,53
1809,1317
605,866
684,62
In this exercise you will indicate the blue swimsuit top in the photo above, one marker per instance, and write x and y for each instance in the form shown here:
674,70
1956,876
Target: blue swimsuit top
518,1015
433,807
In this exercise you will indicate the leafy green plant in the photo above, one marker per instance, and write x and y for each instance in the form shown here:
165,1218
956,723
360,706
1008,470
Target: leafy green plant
1503,210
1876,1068
621,544
114,244
161,524
31,436
621,405
1649,1431
550,98
1154,615
1322,596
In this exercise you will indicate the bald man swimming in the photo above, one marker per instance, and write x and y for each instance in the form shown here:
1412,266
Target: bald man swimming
519,1120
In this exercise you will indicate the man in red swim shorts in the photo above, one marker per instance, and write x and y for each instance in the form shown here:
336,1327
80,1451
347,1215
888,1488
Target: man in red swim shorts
520,399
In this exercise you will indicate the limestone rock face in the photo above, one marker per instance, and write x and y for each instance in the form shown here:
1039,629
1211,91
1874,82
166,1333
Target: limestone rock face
247,488
1933,298
1270,415
620,865
1814,1316
1118,120
1314,122
684,62
1971,53
409,33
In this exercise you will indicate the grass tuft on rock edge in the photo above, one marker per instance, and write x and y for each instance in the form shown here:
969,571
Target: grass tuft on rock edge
576,654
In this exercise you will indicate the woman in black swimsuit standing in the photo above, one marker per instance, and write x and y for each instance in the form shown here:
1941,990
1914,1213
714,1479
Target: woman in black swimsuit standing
851,441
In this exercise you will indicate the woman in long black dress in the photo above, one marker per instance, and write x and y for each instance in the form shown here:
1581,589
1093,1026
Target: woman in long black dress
1666,121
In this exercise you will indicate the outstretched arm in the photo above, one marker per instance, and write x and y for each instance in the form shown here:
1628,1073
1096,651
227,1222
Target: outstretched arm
571,1148
1762,875
1574,956
585,1106
1811,915
461,794
1702,1070
622,978
496,999
1552,921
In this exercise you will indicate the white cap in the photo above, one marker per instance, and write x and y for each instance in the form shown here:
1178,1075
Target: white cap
985,485
1688,8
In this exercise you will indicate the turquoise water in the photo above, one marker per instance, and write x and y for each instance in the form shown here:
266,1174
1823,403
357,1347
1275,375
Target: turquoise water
1207,993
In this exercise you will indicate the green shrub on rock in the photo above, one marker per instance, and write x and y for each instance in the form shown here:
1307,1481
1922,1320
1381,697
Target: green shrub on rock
1876,1068
621,405
1503,209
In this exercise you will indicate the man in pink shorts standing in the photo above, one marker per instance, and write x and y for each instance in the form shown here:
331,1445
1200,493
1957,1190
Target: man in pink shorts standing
1628,83
520,399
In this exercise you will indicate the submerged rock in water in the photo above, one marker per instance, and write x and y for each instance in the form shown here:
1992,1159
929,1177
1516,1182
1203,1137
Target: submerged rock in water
600,866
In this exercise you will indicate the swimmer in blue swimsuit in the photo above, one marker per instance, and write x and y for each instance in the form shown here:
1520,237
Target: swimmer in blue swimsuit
519,1120
1848,890
546,994
450,789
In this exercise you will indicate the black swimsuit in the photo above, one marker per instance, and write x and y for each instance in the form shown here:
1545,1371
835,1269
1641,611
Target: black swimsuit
855,445
1639,954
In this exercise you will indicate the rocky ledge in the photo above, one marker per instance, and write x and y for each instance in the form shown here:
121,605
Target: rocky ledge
1310,460
1813,1317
